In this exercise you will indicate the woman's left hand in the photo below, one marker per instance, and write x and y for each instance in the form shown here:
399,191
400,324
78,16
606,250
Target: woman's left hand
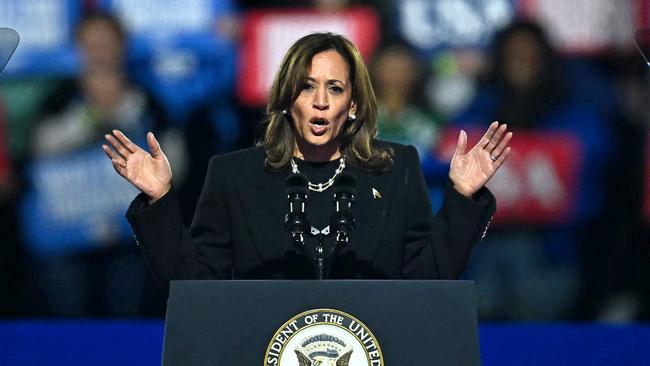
470,171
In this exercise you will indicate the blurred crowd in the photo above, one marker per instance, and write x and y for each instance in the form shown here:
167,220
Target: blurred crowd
569,241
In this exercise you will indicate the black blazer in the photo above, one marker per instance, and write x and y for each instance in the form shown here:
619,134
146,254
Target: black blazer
238,227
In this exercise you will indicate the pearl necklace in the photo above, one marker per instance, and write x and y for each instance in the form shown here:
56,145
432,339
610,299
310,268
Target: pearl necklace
320,187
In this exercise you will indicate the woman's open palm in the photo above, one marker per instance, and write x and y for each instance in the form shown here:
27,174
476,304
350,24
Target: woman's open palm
470,170
149,172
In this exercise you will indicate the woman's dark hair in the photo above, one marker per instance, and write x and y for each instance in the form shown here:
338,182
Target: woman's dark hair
357,136
416,95
101,16
527,108
548,56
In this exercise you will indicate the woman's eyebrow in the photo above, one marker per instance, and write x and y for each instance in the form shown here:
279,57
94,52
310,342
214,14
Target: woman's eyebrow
329,81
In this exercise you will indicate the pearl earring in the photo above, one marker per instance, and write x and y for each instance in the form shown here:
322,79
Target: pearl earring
352,117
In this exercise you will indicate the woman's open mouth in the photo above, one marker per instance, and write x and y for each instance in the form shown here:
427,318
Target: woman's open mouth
318,126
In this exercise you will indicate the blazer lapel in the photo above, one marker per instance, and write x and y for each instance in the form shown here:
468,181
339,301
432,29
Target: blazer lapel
264,205
371,207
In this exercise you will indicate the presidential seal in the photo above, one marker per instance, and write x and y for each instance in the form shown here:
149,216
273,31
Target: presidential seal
323,337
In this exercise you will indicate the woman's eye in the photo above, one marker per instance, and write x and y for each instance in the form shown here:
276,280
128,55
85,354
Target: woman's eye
308,86
336,89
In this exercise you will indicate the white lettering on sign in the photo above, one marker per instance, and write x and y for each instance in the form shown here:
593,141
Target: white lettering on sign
579,25
537,180
160,19
431,24
283,31
507,185
543,182
41,24
82,190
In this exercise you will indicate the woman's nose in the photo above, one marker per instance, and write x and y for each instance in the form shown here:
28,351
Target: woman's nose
321,101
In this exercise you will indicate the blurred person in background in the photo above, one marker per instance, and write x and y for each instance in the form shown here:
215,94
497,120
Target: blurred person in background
10,250
534,271
616,265
402,115
85,264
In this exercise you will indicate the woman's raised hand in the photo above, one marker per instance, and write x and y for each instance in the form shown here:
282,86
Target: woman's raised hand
470,171
150,173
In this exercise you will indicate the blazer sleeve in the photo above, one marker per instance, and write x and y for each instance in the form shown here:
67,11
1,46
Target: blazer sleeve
174,252
439,246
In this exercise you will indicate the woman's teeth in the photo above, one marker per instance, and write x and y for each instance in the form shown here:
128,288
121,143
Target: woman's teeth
318,126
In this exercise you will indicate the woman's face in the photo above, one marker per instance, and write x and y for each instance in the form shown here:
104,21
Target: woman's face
523,61
396,72
322,108
101,45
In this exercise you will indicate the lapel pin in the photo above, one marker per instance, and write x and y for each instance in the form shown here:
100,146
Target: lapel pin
375,193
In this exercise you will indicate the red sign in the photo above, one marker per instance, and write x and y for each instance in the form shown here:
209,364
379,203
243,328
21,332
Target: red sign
539,183
268,34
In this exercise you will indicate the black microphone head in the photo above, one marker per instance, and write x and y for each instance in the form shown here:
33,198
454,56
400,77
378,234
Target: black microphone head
296,184
345,183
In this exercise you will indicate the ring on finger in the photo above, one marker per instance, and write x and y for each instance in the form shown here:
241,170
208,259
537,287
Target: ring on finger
491,157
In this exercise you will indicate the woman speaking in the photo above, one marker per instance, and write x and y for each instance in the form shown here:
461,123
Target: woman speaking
321,123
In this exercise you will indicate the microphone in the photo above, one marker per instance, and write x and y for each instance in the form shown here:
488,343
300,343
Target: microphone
295,221
342,222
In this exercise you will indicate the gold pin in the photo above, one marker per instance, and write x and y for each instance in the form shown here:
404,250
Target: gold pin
375,193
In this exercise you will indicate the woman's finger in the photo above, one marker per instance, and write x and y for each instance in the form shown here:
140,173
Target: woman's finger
496,137
115,157
488,135
502,158
502,145
461,145
154,145
121,169
118,146
130,146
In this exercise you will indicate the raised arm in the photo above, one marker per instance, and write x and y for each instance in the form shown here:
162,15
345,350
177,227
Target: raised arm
172,251
440,246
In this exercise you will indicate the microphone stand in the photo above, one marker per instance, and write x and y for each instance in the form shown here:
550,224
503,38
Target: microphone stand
321,257
342,221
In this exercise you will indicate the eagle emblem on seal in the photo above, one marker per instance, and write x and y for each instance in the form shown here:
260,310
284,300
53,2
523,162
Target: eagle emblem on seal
323,350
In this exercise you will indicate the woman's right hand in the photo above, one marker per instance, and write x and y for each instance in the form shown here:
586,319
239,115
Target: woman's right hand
150,173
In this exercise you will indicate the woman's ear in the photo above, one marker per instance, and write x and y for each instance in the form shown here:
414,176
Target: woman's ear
352,113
